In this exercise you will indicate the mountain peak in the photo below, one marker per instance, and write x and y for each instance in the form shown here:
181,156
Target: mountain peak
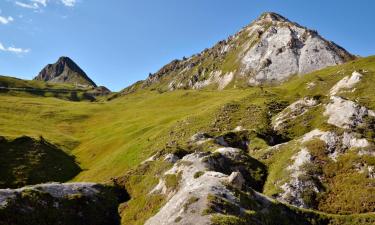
65,59
65,70
268,51
272,16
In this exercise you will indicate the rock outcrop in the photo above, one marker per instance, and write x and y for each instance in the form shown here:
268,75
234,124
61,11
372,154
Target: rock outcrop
345,113
65,70
55,203
201,176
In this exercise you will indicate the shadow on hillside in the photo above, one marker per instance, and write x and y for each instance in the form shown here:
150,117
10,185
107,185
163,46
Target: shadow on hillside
27,161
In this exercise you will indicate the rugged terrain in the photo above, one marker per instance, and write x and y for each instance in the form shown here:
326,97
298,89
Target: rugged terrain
268,148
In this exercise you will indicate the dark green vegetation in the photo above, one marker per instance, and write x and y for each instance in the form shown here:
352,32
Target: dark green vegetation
27,161
34,207
110,139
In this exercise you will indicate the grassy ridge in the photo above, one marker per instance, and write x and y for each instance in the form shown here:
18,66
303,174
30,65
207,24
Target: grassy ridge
11,86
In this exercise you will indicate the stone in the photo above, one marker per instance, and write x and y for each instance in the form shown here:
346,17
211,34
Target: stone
345,113
171,158
346,83
236,180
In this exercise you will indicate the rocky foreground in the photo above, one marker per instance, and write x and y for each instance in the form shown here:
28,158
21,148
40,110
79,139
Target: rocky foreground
55,203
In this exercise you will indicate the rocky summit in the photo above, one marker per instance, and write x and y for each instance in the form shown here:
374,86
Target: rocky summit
268,51
65,70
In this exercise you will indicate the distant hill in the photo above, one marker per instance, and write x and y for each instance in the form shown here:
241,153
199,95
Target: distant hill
65,70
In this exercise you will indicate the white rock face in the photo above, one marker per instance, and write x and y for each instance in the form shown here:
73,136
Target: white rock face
345,113
269,50
346,83
294,110
285,49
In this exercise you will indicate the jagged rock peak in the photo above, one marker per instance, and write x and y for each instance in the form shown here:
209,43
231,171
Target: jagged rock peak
65,70
272,16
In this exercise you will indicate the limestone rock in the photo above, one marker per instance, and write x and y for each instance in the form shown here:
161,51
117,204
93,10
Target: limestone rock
346,83
345,113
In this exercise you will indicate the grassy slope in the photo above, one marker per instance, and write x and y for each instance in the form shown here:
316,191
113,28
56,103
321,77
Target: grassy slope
31,88
110,138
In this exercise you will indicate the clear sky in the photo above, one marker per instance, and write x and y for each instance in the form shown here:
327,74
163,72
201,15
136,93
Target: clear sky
118,42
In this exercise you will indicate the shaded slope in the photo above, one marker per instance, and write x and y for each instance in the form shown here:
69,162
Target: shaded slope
26,161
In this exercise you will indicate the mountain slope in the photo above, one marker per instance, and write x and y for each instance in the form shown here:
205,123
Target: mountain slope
268,51
65,70
112,139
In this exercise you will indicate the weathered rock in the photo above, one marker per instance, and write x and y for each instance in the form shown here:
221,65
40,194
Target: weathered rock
345,113
236,180
198,180
294,188
294,110
346,83
171,158
200,138
336,144
55,203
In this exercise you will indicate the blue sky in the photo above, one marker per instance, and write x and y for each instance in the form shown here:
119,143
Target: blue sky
118,42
